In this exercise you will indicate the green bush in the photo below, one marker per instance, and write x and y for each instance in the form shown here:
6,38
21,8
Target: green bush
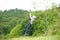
14,22
16,31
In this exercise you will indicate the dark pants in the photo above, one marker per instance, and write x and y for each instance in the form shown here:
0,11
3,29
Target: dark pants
27,29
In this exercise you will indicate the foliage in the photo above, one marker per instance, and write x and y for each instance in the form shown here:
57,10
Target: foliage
14,22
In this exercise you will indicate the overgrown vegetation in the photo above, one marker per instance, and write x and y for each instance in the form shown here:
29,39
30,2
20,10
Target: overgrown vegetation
14,22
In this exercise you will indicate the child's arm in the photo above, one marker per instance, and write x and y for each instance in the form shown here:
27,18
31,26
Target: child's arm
30,15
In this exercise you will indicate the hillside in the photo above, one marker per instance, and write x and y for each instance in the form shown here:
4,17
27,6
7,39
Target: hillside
14,22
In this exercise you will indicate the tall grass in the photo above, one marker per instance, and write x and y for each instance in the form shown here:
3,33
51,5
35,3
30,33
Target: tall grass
56,37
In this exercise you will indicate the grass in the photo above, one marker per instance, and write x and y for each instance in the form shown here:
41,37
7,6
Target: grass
37,38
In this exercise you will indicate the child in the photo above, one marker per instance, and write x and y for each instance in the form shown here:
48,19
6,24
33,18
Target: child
32,18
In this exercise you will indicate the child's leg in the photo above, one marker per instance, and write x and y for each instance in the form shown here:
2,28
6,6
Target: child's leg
27,29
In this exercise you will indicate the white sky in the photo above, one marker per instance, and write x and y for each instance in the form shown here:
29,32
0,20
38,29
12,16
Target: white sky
26,4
